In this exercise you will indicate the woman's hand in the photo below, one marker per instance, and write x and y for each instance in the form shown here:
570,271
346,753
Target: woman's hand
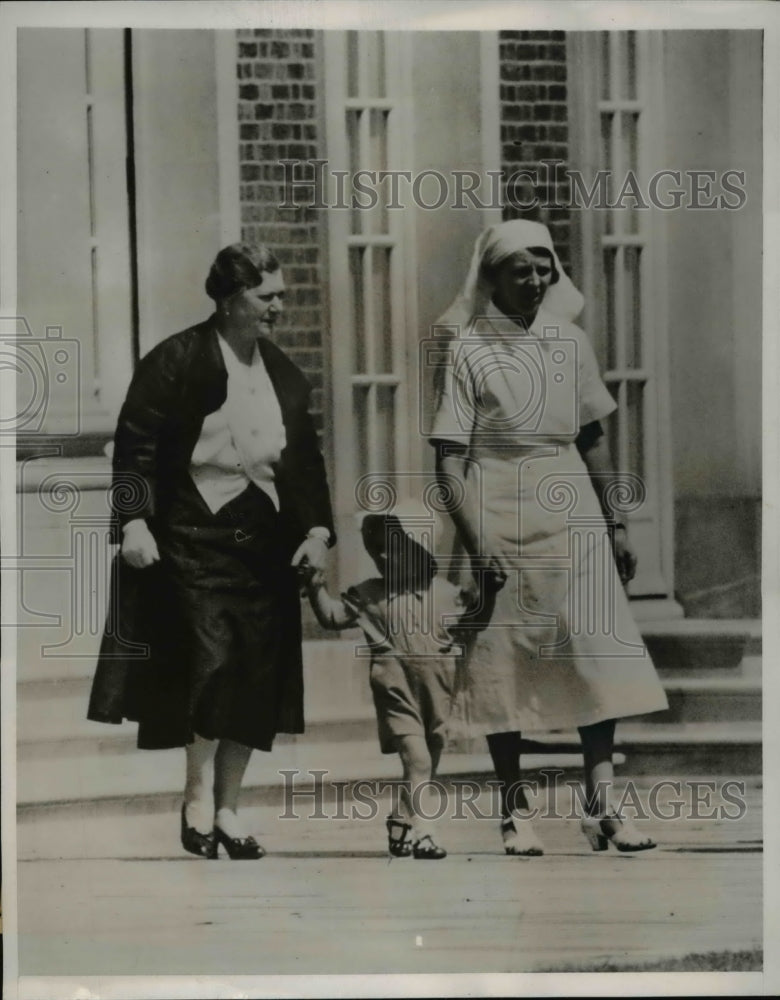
488,572
598,461
311,553
625,559
314,578
139,548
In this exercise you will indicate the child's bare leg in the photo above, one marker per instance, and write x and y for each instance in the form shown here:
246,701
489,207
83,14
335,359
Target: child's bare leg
435,747
419,760
416,761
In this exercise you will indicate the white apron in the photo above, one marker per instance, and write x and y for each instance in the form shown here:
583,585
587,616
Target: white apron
562,648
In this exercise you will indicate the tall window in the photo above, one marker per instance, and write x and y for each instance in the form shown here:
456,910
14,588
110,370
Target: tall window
75,276
616,76
368,250
623,242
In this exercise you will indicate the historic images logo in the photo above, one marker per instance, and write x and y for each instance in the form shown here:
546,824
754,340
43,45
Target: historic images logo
311,794
550,185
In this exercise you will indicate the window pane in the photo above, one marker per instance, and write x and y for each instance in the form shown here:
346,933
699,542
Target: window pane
87,62
356,154
360,418
352,64
377,139
636,450
630,148
376,218
383,331
604,67
632,335
624,72
610,322
75,276
93,269
612,425
630,124
607,120
385,416
630,49
91,170
357,296
372,64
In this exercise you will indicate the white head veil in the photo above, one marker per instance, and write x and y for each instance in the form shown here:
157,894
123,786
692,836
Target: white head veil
493,246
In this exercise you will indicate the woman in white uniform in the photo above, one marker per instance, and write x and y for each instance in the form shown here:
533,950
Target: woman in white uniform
517,424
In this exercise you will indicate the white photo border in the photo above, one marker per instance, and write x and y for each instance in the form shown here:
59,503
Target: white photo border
417,15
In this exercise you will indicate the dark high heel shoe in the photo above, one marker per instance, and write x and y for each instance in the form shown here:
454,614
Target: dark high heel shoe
238,848
192,840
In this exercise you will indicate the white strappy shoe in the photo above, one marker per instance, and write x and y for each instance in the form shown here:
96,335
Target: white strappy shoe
519,836
600,831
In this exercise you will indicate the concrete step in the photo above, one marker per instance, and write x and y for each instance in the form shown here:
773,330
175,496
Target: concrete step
712,725
691,645
676,645
751,665
710,698
659,748
155,778
711,747
33,666
96,738
51,713
52,695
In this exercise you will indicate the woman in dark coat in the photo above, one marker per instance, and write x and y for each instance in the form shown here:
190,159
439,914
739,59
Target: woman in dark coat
219,496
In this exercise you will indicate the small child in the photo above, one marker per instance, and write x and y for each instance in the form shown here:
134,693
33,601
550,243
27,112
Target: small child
402,613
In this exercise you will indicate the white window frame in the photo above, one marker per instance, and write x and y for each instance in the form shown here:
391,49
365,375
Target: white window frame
110,250
88,184
651,527
408,447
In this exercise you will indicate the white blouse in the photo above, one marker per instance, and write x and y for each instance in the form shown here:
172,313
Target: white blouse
533,386
239,443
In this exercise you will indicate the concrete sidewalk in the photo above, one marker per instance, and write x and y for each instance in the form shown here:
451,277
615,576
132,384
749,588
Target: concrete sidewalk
328,900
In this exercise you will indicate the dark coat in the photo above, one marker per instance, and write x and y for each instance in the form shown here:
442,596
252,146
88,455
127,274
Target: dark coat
175,387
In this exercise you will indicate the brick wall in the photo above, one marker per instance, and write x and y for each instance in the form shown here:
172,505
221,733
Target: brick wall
534,121
278,119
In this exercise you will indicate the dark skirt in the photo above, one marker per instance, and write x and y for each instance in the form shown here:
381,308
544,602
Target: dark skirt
208,640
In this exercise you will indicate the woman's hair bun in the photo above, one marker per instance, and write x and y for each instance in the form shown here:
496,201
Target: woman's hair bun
236,267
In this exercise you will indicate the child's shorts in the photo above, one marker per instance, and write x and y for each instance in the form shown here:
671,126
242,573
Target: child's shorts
412,697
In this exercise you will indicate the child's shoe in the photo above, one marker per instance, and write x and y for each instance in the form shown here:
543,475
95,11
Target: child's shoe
400,837
426,850
404,841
